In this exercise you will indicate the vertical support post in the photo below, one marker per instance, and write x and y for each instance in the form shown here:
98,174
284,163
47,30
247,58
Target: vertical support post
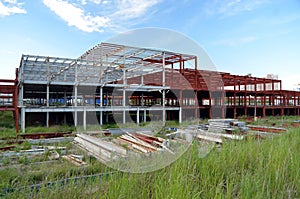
180,115
245,96
273,97
234,98
164,91
196,105
76,93
23,119
75,104
124,92
47,96
47,119
84,118
21,94
210,105
65,98
180,106
138,116
145,115
101,105
47,114
47,90
264,93
255,99
223,97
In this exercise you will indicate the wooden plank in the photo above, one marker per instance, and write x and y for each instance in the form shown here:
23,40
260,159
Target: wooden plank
103,144
209,138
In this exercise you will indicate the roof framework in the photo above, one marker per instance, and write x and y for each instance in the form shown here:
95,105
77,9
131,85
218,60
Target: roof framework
104,64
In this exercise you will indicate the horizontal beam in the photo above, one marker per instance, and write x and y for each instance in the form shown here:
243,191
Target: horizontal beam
96,109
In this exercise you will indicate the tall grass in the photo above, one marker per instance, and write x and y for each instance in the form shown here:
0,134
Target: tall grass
7,125
247,169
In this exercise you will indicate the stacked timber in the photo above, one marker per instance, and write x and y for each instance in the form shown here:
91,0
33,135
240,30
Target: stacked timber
217,137
106,151
226,125
144,143
220,125
100,149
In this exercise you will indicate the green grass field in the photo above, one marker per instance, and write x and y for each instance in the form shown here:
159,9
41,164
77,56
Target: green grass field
268,168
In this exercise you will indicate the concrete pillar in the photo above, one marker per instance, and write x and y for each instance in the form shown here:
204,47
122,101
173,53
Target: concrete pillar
124,117
138,116
101,118
47,96
101,105
23,119
47,119
84,118
180,115
75,113
75,118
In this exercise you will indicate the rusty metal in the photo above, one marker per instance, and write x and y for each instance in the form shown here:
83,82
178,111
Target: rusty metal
44,135
9,97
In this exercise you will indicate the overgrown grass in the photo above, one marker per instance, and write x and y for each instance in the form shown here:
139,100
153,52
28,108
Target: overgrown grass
279,121
246,169
7,124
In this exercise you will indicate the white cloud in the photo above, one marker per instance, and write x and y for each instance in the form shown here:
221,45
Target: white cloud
133,8
10,7
290,81
11,1
98,15
232,7
76,16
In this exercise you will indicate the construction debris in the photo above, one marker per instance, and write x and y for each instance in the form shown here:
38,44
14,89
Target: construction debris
43,135
7,148
50,140
75,159
210,138
119,147
53,155
267,129
23,152
296,123
226,125
102,150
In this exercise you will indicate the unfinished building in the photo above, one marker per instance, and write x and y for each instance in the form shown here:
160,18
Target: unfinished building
117,83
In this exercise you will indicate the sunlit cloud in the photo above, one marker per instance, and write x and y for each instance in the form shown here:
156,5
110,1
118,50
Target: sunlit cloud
107,14
11,7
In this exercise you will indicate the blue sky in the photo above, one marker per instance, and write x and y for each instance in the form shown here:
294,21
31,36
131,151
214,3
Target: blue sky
240,36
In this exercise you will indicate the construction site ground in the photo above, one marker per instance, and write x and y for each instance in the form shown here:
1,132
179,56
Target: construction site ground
263,162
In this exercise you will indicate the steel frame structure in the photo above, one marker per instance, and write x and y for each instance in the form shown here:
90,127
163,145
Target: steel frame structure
112,78
101,70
